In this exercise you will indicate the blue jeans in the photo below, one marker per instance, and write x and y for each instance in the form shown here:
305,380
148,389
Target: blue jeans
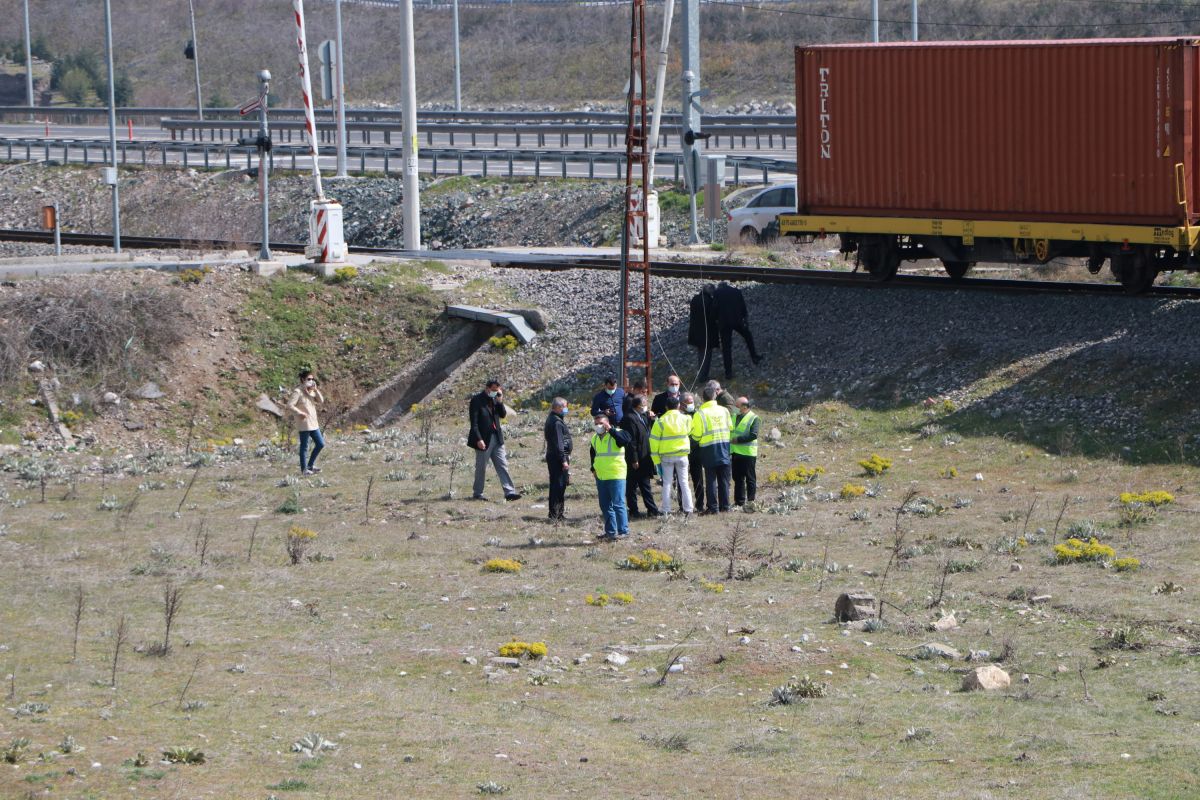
612,506
318,442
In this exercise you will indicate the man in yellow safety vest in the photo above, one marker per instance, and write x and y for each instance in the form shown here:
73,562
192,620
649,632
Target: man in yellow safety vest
711,427
744,449
669,447
608,465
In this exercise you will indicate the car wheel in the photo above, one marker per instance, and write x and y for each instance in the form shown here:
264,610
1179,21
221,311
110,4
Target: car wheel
748,236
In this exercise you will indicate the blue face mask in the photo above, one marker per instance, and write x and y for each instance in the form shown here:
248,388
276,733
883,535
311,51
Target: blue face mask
611,392
564,412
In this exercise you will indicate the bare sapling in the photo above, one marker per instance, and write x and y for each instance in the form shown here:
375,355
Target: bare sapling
127,511
1028,514
455,460
367,503
1057,522
937,601
734,543
201,543
898,534
76,619
119,640
188,684
253,534
188,490
172,596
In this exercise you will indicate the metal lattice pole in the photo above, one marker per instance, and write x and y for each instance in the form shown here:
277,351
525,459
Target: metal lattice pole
635,255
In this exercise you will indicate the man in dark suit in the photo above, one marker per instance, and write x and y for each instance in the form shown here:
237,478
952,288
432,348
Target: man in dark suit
558,457
732,315
704,333
640,466
674,387
486,437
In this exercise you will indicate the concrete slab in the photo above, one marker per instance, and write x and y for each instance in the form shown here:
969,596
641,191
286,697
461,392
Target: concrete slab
265,269
514,322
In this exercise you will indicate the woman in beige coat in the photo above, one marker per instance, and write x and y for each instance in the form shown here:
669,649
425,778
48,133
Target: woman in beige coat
303,403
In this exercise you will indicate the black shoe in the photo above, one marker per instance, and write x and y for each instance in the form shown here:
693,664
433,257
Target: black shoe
636,515
513,496
478,497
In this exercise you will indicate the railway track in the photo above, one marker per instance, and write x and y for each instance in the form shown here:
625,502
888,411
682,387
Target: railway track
663,269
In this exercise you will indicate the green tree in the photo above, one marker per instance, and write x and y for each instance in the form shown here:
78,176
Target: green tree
76,86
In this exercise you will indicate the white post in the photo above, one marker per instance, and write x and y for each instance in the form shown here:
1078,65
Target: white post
310,124
875,21
660,84
196,60
457,64
915,35
412,197
29,63
341,96
111,175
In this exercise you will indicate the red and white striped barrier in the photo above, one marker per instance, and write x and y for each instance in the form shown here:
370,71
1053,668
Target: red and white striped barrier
326,242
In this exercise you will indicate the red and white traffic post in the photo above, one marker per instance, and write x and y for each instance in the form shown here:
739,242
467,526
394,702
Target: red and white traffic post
326,242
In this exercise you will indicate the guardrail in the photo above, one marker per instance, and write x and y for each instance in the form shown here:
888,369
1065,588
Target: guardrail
612,136
434,161
83,115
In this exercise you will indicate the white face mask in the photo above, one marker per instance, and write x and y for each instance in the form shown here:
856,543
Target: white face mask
691,407
310,383
492,394
672,388
611,392
600,429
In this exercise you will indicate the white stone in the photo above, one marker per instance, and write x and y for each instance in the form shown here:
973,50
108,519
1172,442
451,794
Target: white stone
617,659
112,399
978,476
987,678
1015,567
946,623
37,366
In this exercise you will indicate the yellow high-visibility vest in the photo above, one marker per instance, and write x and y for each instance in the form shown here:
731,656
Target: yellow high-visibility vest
745,448
669,436
711,424
610,459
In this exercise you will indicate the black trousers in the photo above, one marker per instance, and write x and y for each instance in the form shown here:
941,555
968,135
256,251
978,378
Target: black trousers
558,488
706,355
696,473
727,345
640,479
745,480
716,480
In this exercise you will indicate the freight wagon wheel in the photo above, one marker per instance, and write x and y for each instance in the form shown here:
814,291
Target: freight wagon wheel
1136,271
881,257
957,269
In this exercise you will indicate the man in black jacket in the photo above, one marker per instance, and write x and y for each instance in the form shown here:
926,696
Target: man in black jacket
704,332
637,458
674,387
558,457
733,316
486,437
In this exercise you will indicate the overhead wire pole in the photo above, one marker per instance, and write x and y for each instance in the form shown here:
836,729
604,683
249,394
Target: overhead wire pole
653,219
636,263
196,59
875,21
111,175
341,95
915,35
412,187
28,63
690,108
457,64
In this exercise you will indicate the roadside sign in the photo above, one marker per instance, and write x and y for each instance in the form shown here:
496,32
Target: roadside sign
325,56
252,105
48,217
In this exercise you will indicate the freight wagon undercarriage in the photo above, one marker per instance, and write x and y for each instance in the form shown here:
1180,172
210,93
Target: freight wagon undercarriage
1136,254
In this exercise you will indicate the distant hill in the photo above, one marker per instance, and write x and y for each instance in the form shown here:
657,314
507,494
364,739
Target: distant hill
534,54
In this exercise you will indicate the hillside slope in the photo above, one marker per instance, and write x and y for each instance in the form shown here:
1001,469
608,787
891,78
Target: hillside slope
529,55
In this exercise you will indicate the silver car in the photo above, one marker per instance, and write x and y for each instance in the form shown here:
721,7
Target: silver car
747,224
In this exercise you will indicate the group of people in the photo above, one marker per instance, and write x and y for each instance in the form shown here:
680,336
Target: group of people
715,314
696,450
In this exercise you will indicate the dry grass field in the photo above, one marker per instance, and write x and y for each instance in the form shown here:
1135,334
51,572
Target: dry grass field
379,640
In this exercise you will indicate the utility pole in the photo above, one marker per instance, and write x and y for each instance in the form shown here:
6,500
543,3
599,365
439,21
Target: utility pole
875,21
341,96
915,36
408,70
196,59
690,109
28,63
110,174
457,64
264,164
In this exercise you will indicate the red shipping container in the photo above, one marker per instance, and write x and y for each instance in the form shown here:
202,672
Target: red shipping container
1041,131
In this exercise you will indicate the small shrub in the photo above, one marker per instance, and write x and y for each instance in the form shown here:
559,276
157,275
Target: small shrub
344,274
191,277
289,785
491,787
875,465
501,565
312,744
183,755
1154,499
291,505
651,560
1126,564
1167,587
601,600
852,490
795,476
715,588
794,691
953,566
15,752
506,343
297,542
530,650
1075,550
948,473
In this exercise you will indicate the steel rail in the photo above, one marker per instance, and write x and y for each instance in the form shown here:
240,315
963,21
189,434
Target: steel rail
661,269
